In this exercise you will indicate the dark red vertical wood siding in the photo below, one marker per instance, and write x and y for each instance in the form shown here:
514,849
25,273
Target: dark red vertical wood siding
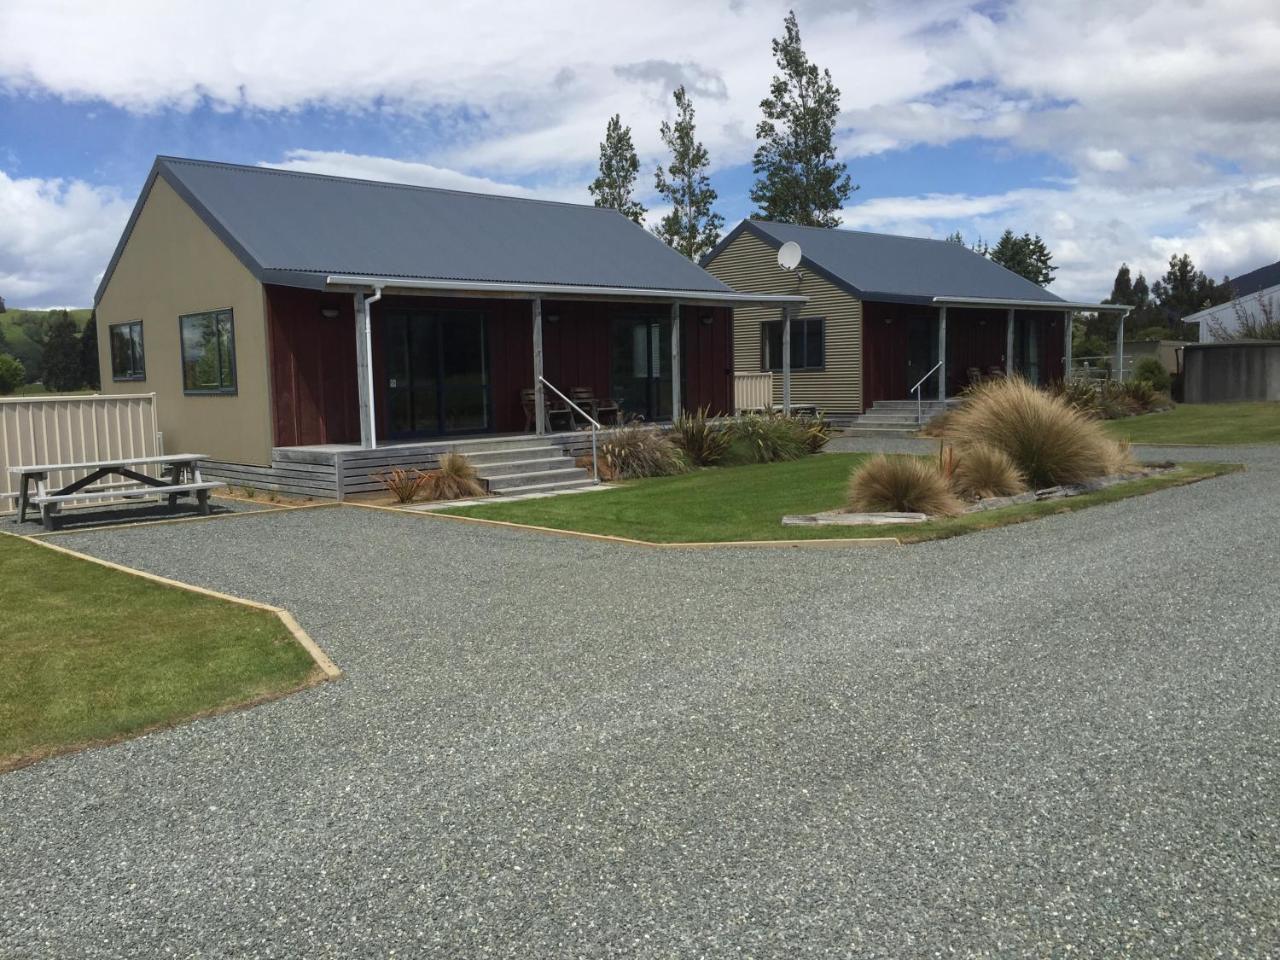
313,367
313,375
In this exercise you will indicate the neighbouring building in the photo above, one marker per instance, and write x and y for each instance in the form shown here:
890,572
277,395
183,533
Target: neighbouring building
305,330
1255,297
879,313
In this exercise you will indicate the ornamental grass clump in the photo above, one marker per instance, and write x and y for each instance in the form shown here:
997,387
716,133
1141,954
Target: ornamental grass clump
454,479
634,451
1048,441
757,439
703,441
404,485
902,484
982,471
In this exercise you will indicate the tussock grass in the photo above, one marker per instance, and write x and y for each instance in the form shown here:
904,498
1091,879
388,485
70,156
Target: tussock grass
454,479
984,471
900,483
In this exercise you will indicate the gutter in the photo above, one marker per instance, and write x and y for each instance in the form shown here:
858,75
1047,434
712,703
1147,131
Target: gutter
1031,304
551,290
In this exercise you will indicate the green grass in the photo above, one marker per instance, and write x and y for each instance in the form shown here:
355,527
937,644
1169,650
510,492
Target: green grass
748,503
1208,424
90,655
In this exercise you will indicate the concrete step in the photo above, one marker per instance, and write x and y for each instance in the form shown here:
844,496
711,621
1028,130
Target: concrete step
519,481
552,461
511,452
889,432
888,418
560,486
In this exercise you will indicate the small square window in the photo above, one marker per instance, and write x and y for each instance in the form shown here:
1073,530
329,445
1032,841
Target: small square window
208,352
808,344
127,362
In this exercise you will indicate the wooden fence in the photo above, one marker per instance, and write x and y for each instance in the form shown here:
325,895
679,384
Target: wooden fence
73,429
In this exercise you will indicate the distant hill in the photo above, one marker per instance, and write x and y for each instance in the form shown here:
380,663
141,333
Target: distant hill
13,332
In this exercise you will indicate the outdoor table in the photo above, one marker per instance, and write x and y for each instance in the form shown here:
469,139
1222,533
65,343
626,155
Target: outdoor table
183,471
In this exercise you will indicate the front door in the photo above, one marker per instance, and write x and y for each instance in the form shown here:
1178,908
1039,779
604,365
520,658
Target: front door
921,355
640,365
437,379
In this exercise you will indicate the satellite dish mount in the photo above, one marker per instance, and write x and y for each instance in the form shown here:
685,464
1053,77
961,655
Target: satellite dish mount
789,255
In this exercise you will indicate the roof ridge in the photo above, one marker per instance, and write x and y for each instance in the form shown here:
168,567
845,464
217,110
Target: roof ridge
385,184
865,233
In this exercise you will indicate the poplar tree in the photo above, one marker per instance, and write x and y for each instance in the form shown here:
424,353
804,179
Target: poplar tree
692,227
798,178
619,167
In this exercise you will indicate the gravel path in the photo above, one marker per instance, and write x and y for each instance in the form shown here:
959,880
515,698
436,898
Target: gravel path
1053,739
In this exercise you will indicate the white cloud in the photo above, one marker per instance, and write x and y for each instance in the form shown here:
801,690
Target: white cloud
1162,110
55,239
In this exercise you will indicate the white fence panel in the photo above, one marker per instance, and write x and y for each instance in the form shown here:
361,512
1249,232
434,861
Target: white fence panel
72,429
753,391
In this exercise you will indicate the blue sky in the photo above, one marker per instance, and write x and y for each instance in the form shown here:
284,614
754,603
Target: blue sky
1068,121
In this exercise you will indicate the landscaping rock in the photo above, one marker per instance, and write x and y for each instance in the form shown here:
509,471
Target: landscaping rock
835,518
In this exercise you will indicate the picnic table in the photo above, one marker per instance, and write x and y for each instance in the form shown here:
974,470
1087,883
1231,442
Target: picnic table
180,476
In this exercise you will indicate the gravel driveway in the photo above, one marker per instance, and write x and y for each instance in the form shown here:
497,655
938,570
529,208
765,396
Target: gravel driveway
1054,739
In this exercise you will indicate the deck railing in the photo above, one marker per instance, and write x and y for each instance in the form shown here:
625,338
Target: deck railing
753,391
73,429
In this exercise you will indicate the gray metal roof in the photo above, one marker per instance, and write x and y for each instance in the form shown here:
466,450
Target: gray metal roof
881,266
298,228
1255,280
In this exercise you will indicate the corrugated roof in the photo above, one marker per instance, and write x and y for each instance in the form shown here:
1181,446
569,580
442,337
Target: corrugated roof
1261,279
298,228
881,266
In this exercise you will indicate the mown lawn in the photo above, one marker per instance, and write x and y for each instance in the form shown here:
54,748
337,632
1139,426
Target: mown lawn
748,503
91,655
1208,424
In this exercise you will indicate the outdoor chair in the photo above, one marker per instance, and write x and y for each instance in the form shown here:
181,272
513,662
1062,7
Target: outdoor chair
558,411
602,410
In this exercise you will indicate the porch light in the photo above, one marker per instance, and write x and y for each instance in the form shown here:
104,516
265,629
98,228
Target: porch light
329,313
707,319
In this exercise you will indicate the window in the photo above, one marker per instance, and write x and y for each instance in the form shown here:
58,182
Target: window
208,352
808,344
126,351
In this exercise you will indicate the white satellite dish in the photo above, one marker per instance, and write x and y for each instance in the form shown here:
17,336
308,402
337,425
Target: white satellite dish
789,255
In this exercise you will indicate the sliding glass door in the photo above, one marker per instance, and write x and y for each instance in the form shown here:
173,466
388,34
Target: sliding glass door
436,375
640,365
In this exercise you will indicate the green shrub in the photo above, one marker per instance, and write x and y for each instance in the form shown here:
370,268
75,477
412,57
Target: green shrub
703,441
983,471
1139,394
635,451
1079,395
12,374
1151,371
1048,441
901,483
768,439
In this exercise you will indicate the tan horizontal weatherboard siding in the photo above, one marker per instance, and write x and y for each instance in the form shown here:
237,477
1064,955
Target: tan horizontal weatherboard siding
750,265
174,265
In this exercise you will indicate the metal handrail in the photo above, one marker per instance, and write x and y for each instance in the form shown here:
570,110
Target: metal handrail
595,466
916,391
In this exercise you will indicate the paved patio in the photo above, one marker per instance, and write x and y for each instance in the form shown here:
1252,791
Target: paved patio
1059,734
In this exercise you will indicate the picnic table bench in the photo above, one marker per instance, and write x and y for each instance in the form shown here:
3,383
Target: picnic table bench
180,478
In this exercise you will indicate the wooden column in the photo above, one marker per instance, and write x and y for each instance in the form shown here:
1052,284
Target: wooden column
364,374
539,393
1009,370
675,361
1119,372
1066,346
786,360
942,353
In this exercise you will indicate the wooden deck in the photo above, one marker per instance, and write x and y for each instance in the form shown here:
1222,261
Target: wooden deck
337,470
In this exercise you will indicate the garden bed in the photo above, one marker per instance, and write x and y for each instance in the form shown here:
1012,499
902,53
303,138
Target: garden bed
747,504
